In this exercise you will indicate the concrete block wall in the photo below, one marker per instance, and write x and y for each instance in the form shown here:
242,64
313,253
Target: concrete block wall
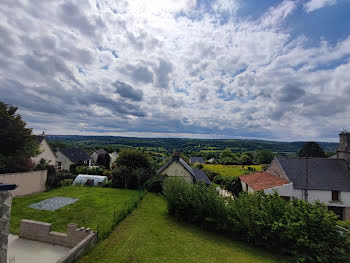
40,231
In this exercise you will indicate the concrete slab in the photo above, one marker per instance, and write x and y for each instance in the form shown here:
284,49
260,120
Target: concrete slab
28,251
53,203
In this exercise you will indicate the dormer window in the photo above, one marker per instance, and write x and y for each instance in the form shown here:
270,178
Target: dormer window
335,196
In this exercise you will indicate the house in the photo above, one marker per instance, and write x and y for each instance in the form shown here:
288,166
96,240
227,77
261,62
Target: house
179,168
45,152
194,160
309,179
113,156
95,154
267,182
66,157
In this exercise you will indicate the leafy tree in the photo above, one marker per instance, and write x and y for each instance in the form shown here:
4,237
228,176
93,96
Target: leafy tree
17,144
226,153
104,159
264,157
133,170
311,149
246,159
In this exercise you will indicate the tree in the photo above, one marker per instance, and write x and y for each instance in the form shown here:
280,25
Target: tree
311,149
17,144
133,170
104,159
246,159
264,157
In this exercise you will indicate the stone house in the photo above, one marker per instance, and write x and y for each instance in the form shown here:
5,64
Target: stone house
315,179
45,152
177,167
66,157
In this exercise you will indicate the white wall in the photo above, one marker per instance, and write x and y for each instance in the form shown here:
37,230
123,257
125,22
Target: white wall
177,169
45,153
64,160
283,190
324,197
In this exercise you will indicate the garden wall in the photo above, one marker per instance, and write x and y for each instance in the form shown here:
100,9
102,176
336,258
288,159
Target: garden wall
28,182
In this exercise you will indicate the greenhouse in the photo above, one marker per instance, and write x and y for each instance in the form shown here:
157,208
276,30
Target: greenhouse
90,180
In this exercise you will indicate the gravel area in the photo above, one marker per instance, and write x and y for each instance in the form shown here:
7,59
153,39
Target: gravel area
53,203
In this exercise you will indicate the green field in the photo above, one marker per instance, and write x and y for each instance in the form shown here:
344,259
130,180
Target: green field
94,207
149,234
232,170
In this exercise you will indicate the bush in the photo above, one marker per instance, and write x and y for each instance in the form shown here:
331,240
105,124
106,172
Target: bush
306,232
155,184
88,170
210,173
66,182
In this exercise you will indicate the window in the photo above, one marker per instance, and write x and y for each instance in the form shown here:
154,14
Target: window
335,195
59,166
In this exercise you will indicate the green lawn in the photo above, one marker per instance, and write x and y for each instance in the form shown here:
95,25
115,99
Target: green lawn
232,170
95,206
149,234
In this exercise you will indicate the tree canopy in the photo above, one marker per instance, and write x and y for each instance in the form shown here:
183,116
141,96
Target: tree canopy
17,144
311,149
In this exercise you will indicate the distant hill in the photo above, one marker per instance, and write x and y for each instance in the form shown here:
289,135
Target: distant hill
187,145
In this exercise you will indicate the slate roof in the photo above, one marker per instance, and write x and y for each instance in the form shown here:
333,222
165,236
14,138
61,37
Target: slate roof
197,160
262,180
101,151
197,175
76,155
322,173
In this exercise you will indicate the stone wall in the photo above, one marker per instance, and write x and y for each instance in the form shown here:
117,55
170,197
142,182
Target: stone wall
5,212
28,182
276,169
40,231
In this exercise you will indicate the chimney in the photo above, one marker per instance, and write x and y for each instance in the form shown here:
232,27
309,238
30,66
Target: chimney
343,151
176,156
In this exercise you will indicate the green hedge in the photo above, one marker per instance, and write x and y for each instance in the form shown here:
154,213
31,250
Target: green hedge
305,232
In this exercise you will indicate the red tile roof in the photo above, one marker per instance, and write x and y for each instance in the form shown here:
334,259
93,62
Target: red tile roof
262,180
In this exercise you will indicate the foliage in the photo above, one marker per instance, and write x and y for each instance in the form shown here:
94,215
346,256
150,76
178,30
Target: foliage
17,144
154,184
264,157
231,170
95,206
246,159
66,182
311,149
345,224
149,234
88,170
133,169
104,160
306,232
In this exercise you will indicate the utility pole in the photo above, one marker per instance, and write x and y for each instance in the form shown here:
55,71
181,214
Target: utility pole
306,193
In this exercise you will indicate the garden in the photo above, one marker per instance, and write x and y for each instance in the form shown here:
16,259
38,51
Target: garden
96,208
149,234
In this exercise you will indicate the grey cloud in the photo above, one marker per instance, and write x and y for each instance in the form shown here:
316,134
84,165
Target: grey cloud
139,73
71,15
127,91
163,74
171,102
290,93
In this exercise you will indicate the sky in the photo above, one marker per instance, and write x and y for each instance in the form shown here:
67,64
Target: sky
273,70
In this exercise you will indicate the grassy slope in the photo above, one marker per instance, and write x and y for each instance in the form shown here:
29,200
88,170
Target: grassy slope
150,235
95,206
232,170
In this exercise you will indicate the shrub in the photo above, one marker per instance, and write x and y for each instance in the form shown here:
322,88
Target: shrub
88,170
306,232
210,173
66,182
154,184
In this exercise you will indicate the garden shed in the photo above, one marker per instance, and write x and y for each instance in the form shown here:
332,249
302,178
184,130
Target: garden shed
90,180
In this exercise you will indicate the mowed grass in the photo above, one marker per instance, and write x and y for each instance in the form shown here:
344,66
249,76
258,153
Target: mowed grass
149,234
94,207
232,170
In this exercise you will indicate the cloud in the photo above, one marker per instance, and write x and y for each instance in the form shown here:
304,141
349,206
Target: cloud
126,91
190,69
313,5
